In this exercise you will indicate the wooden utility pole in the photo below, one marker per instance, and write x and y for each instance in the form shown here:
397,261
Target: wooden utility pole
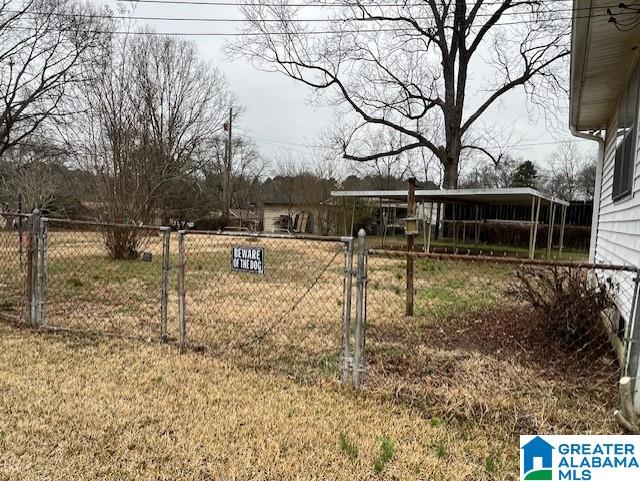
226,174
411,212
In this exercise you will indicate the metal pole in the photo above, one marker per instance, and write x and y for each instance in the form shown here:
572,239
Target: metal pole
424,227
182,322
533,208
358,364
535,231
42,270
429,233
164,300
564,220
34,310
345,356
552,219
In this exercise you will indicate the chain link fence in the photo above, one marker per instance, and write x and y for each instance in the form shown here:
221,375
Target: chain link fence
265,300
539,344
15,268
104,278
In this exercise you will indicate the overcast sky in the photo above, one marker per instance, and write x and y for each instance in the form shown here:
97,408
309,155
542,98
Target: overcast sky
279,113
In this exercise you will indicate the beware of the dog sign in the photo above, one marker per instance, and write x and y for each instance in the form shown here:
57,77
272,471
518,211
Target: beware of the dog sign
247,259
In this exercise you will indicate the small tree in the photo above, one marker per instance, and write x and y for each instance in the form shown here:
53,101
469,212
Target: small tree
525,175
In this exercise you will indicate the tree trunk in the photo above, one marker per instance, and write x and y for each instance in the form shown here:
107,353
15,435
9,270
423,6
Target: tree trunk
450,173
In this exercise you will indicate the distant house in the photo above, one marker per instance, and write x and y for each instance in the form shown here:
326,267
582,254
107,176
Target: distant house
287,217
604,108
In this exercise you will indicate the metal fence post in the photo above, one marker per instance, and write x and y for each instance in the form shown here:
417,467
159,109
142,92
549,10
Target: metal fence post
345,352
32,278
358,363
182,322
42,270
164,300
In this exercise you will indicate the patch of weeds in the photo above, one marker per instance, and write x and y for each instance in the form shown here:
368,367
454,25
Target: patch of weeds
437,422
441,450
399,275
349,449
387,452
491,465
329,364
375,285
397,291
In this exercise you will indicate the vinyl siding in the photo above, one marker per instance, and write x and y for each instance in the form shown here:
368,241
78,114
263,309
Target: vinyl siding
618,235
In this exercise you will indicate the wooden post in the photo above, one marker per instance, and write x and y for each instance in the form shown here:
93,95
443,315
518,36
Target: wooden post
411,212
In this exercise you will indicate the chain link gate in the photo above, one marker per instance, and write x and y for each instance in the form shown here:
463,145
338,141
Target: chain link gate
269,300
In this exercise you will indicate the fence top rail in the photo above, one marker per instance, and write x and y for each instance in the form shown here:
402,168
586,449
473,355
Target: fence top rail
502,260
17,215
89,223
270,235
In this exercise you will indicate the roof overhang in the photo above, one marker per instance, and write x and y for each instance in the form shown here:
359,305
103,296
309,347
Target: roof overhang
510,196
601,62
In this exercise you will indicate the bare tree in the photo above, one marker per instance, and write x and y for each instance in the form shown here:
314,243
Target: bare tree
405,67
150,111
44,45
571,174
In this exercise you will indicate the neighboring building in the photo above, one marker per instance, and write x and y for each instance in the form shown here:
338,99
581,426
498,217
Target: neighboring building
285,217
604,108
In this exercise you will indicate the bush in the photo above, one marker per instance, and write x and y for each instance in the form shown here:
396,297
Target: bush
122,242
568,299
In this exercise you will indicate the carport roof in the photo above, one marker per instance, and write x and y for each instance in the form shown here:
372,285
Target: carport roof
511,196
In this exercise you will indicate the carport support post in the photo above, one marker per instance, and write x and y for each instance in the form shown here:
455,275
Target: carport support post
550,225
411,211
533,208
535,231
345,355
429,233
361,278
164,300
182,323
564,220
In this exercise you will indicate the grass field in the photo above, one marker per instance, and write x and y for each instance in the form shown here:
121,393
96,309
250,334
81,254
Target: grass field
445,396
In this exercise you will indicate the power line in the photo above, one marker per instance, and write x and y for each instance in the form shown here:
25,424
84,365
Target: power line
303,4
292,20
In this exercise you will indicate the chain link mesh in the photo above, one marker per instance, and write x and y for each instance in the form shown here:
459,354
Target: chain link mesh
496,338
101,278
288,317
14,238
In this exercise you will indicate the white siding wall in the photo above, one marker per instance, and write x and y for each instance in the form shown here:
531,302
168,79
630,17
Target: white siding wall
618,236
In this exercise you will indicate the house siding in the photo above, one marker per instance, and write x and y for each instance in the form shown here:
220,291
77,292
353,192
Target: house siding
618,235
617,241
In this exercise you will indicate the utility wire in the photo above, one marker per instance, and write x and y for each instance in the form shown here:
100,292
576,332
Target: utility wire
292,20
299,33
306,4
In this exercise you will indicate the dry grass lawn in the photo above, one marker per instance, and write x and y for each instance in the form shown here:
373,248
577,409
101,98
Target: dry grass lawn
97,408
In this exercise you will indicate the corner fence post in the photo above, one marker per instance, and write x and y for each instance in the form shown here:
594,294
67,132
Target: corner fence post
182,323
345,352
42,270
358,364
164,299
